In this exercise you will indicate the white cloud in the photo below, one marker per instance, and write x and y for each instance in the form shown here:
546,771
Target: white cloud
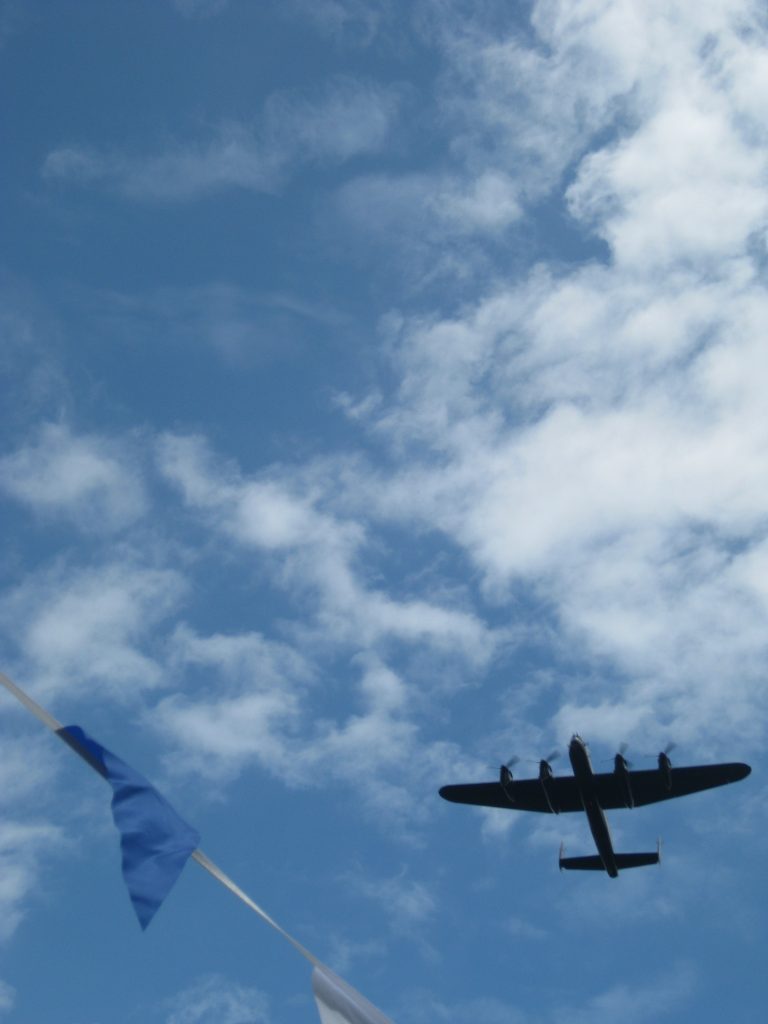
407,903
200,8
662,996
245,326
292,517
687,185
627,1003
27,768
351,118
271,709
538,106
77,628
22,844
216,1000
597,435
520,928
85,478
350,22
217,737
443,206
7,997
428,1008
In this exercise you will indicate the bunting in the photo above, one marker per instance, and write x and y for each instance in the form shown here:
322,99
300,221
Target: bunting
156,843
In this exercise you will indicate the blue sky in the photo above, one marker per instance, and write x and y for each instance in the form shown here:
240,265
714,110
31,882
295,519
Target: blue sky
384,395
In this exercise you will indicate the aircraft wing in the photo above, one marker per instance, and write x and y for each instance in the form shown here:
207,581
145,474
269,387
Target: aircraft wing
525,795
649,787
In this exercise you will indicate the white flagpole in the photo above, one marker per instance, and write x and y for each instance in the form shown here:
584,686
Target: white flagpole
226,881
29,704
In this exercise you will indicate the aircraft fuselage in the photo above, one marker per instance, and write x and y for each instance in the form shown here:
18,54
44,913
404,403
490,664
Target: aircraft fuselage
582,770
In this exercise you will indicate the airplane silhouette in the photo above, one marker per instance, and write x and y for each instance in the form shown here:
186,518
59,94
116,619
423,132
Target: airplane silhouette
594,793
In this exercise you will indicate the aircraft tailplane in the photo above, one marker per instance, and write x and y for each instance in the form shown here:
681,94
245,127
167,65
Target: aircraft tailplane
636,860
623,860
581,864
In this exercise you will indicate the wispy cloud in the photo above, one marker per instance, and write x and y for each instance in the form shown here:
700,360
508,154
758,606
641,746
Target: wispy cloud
216,1000
22,844
292,518
348,22
445,207
630,1004
27,767
270,708
661,997
350,118
407,904
200,8
242,325
7,997
89,480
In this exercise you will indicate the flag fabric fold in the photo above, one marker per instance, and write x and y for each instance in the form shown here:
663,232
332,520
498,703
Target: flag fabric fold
156,842
339,1003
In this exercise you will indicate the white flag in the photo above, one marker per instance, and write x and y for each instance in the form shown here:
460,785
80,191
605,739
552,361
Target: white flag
339,1003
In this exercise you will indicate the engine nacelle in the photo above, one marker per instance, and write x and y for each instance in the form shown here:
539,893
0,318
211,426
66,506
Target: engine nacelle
665,768
545,775
621,769
505,780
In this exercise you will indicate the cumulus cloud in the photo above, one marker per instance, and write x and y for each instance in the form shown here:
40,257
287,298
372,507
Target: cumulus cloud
76,628
689,184
271,709
351,118
539,104
596,433
251,717
320,551
87,479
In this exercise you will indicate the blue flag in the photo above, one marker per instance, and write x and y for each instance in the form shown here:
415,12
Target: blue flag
156,843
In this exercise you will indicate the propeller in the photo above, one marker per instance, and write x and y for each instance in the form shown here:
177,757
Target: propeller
666,751
665,765
515,759
623,748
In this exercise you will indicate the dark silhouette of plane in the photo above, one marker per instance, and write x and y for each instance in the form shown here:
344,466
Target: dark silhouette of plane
594,794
